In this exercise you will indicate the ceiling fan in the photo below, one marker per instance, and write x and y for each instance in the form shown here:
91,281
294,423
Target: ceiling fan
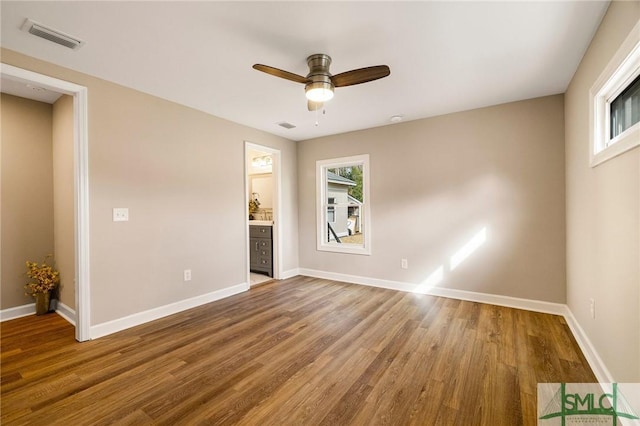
319,83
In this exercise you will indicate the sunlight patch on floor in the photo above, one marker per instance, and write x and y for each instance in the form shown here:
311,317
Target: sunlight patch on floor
432,280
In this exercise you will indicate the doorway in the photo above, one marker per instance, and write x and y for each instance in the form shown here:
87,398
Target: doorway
263,209
81,184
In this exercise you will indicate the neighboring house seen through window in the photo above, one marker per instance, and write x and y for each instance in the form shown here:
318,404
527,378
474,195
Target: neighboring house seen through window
331,210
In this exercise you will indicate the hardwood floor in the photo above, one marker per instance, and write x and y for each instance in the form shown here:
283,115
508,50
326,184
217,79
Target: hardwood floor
302,351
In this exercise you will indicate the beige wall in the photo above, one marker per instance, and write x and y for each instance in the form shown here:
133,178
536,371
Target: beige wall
435,183
63,198
603,216
26,192
180,172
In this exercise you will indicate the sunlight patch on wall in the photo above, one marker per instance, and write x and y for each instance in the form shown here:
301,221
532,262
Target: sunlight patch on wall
454,261
468,249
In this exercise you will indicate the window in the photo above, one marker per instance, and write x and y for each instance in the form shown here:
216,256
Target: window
625,109
615,104
343,223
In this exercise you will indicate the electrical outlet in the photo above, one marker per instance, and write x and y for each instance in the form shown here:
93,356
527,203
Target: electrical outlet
120,214
592,308
404,263
187,274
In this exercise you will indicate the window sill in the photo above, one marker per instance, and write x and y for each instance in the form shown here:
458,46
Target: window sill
345,248
629,141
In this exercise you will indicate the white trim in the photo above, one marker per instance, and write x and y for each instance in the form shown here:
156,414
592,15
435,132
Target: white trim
451,293
133,320
597,365
276,170
66,312
595,362
17,312
290,273
30,309
629,141
621,70
81,182
354,279
83,293
500,300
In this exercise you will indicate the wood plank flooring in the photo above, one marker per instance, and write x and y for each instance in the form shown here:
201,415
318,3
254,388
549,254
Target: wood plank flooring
302,351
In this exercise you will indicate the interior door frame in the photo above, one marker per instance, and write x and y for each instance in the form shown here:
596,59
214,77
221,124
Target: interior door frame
81,185
277,205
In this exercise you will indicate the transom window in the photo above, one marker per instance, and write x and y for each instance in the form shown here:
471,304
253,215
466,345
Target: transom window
615,103
343,223
625,109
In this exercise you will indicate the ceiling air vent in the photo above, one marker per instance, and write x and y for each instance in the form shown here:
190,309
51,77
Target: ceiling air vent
50,34
286,125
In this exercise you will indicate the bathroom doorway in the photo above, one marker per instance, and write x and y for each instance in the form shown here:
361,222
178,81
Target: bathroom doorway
262,201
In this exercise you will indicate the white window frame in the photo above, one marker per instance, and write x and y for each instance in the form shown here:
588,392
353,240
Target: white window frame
623,68
321,204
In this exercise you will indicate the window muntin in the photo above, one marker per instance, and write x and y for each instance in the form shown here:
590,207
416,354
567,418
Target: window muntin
343,206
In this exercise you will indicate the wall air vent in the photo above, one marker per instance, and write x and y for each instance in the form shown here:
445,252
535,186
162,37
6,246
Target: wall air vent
50,34
286,125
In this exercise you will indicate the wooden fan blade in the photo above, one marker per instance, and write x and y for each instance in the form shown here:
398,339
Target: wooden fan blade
281,73
313,106
361,75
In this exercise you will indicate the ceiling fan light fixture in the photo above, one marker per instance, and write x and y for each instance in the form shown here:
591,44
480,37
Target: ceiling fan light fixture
319,91
320,83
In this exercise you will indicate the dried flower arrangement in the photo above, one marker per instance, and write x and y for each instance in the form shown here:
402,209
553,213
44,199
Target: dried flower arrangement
44,278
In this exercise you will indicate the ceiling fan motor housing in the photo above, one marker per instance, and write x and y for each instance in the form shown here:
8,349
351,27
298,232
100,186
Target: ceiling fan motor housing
319,77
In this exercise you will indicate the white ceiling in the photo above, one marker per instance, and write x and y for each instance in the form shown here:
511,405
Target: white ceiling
18,87
444,56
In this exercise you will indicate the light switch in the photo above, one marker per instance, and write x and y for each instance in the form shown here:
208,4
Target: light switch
120,214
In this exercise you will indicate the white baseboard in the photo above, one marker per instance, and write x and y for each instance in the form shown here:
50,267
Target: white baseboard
595,362
120,324
66,312
30,309
354,279
597,365
495,299
492,299
290,273
17,312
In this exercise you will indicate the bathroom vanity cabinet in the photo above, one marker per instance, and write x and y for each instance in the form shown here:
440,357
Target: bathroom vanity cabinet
261,244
